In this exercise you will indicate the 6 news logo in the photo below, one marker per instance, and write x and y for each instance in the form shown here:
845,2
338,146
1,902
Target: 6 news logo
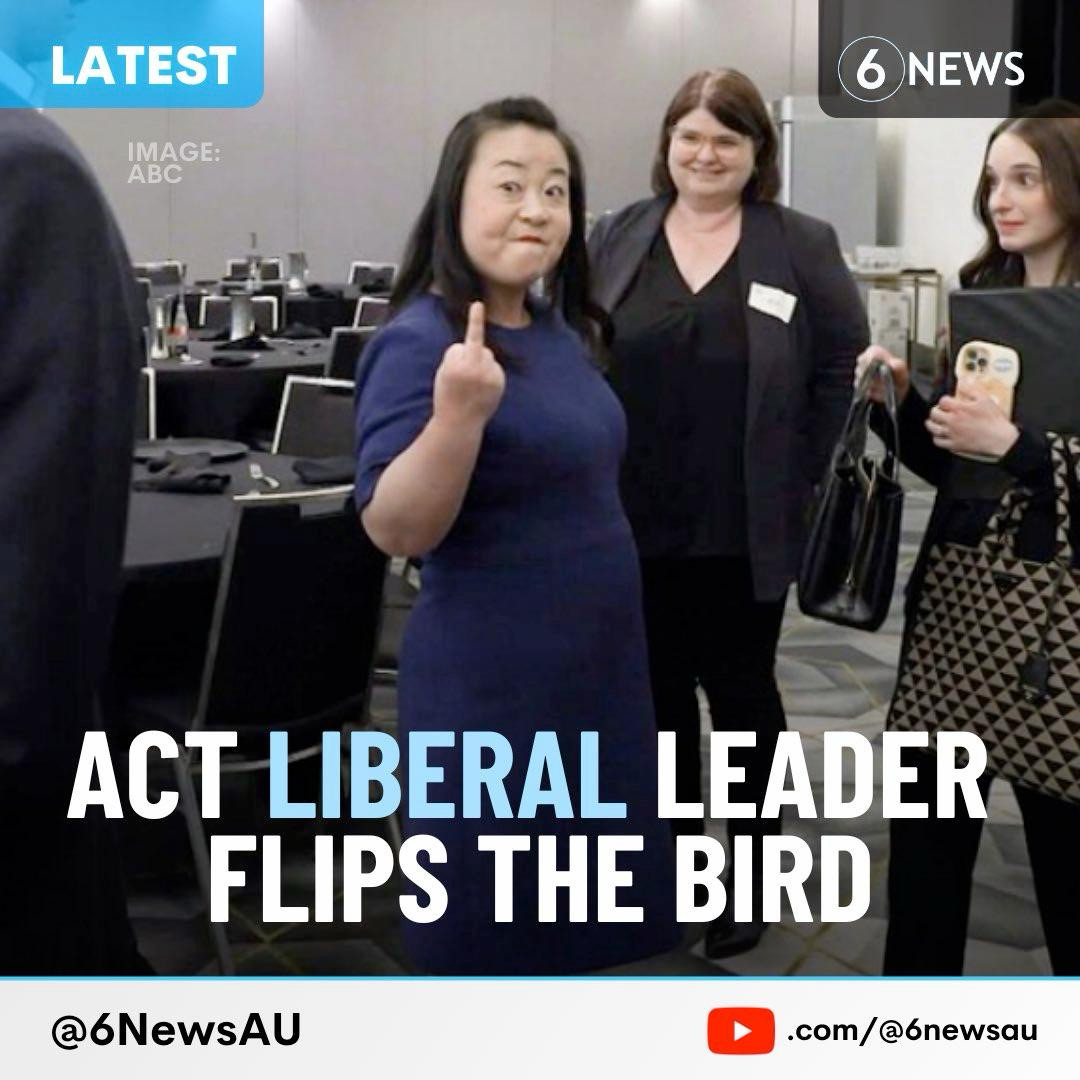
872,69
925,58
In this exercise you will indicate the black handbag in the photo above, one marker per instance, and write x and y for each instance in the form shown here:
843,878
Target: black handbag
849,566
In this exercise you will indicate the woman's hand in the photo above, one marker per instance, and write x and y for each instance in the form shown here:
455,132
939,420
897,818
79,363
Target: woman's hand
901,377
971,423
469,383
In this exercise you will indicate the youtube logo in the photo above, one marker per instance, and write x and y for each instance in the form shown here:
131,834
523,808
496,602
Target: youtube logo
741,1030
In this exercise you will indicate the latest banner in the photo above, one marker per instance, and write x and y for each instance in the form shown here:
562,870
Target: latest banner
126,54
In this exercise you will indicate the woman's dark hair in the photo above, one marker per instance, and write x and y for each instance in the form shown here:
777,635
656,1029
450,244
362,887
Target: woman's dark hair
1052,130
435,255
737,103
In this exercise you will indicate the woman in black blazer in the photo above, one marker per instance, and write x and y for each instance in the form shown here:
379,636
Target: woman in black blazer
736,324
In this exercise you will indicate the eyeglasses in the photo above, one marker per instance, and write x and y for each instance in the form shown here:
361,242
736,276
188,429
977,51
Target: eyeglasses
691,141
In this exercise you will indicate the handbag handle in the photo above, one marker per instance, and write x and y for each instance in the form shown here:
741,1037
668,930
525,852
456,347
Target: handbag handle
1004,524
852,441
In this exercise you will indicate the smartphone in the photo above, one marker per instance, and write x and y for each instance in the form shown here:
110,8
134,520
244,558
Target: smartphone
993,369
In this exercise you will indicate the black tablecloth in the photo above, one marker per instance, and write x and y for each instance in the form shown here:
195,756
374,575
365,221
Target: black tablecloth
200,400
174,537
172,559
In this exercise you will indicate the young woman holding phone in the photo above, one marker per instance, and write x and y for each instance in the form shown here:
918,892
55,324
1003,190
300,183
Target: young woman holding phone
1028,199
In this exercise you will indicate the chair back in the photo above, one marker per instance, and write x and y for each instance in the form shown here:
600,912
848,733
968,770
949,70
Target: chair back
316,419
295,621
270,269
373,277
371,311
215,312
165,272
146,405
143,289
279,291
266,314
346,345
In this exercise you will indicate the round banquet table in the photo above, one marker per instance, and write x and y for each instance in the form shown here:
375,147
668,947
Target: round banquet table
198,399
177,537
172,558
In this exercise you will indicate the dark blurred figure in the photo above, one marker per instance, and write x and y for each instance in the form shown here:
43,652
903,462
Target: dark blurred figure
69,359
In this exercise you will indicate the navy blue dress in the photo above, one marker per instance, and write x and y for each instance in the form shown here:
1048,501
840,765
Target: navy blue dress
529,620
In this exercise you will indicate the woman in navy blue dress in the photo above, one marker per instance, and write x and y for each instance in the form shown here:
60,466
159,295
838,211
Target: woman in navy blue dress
489,445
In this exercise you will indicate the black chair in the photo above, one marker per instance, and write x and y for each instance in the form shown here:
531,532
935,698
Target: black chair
165,272
346,345
146,405
271,269
371,311
372,277
237,269
144,287
290,649
215,313
316,418
279,291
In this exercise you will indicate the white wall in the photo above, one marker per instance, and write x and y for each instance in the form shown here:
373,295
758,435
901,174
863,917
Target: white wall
928,171
360,94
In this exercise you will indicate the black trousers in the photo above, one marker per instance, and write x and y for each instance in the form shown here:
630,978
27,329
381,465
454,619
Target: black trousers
930,866
705,629
63,909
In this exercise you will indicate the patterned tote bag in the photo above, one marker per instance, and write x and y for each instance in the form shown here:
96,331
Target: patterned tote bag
995,647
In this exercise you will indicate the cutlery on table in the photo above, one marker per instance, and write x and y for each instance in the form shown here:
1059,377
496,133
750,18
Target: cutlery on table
260,477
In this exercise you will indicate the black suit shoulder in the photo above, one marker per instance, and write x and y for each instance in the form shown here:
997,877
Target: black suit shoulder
804,232
809,239
800,225
37,156
612,224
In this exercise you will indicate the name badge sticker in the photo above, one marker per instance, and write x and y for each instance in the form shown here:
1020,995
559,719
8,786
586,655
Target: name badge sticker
772,301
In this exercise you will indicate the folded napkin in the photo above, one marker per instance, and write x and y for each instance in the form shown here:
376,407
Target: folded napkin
300,332
188,474
252,343
327,470
231,359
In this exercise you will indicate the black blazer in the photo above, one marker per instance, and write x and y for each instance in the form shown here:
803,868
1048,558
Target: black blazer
800,372
69,360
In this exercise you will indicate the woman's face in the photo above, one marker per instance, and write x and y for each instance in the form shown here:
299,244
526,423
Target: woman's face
1018,198
515,206
708,161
